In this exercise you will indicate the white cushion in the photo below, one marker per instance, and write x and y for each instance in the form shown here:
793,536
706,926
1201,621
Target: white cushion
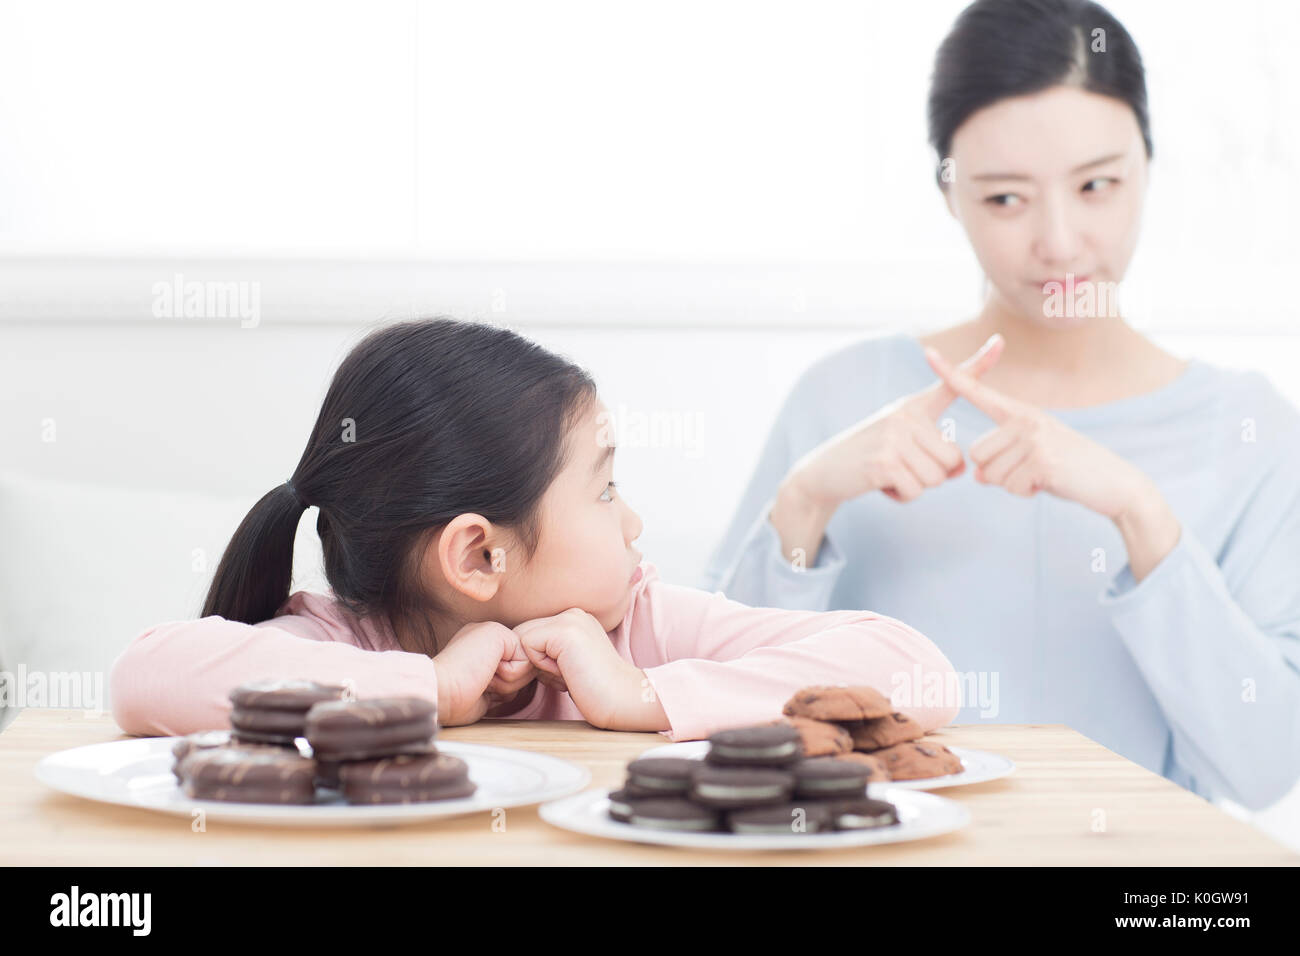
85,568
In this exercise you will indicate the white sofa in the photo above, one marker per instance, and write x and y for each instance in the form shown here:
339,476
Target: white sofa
86,567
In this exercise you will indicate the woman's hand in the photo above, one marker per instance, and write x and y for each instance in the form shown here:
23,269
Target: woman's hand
482,665
898,450
1031,451
572,651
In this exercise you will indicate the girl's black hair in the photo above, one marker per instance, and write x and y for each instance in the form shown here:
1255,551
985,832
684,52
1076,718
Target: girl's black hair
1002,48
423,421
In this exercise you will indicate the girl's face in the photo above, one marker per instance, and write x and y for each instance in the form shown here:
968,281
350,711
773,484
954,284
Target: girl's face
1046,186
584,557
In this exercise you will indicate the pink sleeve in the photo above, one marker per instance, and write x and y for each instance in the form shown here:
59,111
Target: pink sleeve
724,664
175,678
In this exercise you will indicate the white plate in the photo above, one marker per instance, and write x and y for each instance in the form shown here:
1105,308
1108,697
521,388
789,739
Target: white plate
978,766
138,773
920,815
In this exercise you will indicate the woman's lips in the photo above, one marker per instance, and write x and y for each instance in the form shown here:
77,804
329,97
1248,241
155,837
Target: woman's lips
636,575
1063,281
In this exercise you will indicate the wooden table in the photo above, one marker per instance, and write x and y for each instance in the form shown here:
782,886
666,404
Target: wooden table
1041,815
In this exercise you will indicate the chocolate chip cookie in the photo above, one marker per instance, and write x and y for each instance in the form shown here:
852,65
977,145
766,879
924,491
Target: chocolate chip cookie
918,759
873,763
820,738
883,731
829,702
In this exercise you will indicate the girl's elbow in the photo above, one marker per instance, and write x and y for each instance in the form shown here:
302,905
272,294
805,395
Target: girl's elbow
133,688
932,717
947,715
947,706
930,691
125,695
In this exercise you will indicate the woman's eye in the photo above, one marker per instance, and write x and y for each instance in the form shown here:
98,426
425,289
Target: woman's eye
1110,180
998,200
607,488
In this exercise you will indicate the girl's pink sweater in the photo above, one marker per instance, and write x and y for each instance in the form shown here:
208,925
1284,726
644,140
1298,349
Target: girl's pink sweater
713,663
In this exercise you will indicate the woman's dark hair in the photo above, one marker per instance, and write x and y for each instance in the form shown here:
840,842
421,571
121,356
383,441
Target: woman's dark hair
423,421
1002,48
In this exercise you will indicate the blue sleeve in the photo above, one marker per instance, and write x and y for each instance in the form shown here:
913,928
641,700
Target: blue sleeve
748,565
1219,645
763,577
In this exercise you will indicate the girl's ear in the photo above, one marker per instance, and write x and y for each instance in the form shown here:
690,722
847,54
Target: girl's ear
463,554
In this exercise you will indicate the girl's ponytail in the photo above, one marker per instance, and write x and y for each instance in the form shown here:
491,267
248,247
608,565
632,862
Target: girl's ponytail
256,571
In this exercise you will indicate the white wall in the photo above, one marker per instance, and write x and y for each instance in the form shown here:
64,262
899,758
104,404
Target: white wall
197,406
724,131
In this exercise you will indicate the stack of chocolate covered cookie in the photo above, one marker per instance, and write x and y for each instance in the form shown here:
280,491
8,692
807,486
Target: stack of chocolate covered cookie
859,724
383,751
373,751
754,780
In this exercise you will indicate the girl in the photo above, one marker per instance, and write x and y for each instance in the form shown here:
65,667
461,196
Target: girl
1123,552
479,556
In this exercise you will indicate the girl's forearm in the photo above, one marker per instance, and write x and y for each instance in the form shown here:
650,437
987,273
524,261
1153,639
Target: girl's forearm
637,707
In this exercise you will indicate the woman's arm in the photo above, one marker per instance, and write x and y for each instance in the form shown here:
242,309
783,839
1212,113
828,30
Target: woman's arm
714,663
1150,529
1219,646
175,678
1217,640
799,520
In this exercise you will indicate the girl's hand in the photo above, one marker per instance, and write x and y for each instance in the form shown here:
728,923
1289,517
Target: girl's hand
571,651
898,450
481,665
1031,451
513,674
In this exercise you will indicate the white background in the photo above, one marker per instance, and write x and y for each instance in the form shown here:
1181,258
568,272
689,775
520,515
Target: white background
718,132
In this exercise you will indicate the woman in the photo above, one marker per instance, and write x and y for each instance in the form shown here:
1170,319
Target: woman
1096,532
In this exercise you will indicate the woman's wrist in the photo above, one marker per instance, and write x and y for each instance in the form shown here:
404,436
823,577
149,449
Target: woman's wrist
800,521
1150,529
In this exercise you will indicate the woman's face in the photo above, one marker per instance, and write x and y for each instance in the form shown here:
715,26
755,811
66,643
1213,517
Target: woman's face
1048,186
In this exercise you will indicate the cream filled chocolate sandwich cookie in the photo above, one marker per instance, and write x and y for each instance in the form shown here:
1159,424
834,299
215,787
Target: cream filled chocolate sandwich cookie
363,729
660,776
737,787
248,776
209,739
274,711
405,778
673,813
808,816
769,745
828,777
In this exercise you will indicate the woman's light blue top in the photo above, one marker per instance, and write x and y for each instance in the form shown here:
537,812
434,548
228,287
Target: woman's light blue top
1192,673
